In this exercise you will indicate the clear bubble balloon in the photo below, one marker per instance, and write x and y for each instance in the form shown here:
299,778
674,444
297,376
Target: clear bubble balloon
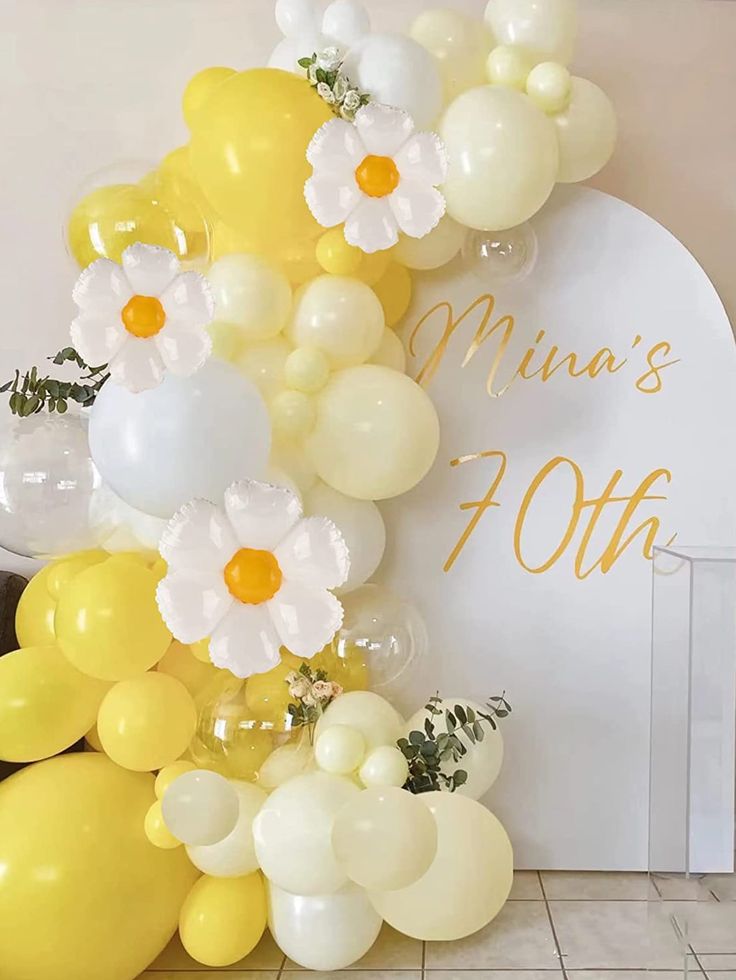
47,485
388,633
503,256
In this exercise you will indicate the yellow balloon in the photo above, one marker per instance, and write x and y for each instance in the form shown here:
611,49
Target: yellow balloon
394,290
108,623
169,773
200,88
45,704
223,919
374,266
336,256
147,722
157,831
249,153
180,662
34,614
78,871
61,572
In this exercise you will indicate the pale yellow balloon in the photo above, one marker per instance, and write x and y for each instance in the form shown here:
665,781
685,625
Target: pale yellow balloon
508,66
545,28
466,884
227,340
384,766
503,158
156,830
307,369
373,716
390,353
264,364
286,762
586,132
340,316
549,86
180,662
376,434
436,249
394,290
459,44
339,749
385,838
293,414
252,293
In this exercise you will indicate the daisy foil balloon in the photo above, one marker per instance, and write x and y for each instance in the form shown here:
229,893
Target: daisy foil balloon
252,577
378,176
142,318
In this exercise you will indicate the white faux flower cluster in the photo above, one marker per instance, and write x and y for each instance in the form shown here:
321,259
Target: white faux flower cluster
324,73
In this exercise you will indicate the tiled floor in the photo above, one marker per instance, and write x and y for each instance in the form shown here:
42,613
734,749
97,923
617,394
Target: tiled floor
556,926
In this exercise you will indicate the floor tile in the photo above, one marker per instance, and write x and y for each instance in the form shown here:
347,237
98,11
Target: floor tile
677,888
492,974
722,886
353,975
595,885
618,935
519,938
718,962
624,975
391,951
266,956
710,926
526,886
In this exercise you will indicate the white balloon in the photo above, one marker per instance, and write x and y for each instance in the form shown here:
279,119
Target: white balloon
323,932
544,28
586,132
346,21
436,249
361,525
384,766
374,717
285,55
189,437
234,855
292,833
295,17
200,807
398,72
483,760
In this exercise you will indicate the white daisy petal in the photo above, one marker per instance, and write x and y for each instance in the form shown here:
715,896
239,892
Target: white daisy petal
305,619
199,537
314,554
98,336
149,268
331,198
383,129
183,350
188,300
336,149
137,365
417,206
261,514
102,288
246,641
372,225
192,604
423,157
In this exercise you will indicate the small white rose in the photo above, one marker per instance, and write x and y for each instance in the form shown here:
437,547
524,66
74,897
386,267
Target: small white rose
340,88
322,690
299,688
351,102
312,74
310,700
325,92
329,59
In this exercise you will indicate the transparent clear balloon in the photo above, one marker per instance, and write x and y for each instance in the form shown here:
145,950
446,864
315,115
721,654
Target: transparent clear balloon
386,633
501,257
47,486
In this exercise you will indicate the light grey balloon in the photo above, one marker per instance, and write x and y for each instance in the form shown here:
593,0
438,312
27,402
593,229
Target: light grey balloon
189,437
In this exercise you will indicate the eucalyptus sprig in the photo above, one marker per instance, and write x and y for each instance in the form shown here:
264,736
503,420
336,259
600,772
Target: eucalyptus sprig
427,750
325,74
31,393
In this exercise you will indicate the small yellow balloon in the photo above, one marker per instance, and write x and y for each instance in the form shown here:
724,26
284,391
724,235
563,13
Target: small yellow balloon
180,662
63,571
306,369
223,919
549,86
34,614
336,256
373,267
394,290
107,621
147,722
169,773
200,88
157,831
45,704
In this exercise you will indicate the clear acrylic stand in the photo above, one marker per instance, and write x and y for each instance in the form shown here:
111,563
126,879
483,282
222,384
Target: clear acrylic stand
693,758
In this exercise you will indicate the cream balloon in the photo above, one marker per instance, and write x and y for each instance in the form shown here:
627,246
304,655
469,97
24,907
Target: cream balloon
373,716
339,749
323,932
458,43
384,766
234,855
436,249
307,369
468,881
385,838
508,66
264,364
545,28
292,833
293,414
398,72
549,86
503,158
376,435
285,763
586,132
251,293
200,807
482,761
390,352
361,525
341,317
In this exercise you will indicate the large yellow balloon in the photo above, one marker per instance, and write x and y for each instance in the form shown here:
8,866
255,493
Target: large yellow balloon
107,620
45,704
248,153
223,919
147,722
83,894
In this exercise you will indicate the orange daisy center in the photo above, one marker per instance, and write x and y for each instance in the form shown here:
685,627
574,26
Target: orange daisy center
253,576
143,316
377,176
